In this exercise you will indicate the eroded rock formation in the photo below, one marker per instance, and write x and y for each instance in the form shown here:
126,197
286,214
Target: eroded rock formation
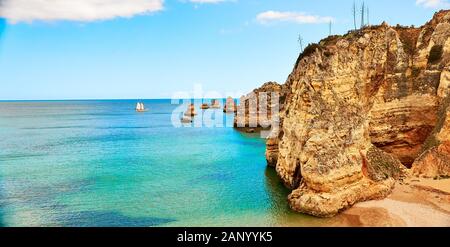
190,112
434,162
359,109
256,108
215,104
230,106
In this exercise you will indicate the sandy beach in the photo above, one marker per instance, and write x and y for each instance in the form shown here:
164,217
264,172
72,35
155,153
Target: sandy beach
413,203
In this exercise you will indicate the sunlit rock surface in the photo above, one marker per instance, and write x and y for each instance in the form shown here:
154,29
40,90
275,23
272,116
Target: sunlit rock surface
358,109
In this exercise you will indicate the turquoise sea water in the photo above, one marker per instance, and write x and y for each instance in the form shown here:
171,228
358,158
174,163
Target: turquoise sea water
99,163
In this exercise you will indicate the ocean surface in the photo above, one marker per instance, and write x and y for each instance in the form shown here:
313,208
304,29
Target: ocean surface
99,163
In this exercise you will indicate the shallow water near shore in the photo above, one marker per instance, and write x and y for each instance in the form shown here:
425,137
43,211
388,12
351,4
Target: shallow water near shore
99,163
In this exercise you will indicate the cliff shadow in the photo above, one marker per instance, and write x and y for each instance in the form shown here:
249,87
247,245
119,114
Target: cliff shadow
276,192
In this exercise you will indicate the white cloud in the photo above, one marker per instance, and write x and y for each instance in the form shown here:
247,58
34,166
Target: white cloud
296,17
433,3
75,10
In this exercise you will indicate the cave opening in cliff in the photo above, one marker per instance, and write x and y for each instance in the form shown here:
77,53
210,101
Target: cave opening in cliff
298,177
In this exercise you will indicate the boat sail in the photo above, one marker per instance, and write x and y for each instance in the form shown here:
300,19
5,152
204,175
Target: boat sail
140,107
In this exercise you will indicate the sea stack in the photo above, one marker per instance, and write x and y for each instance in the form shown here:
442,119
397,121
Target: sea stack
190,112
204,106
359,111
256,108
215,104
230,106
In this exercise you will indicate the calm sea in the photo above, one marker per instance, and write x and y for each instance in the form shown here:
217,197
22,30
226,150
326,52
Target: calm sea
99,163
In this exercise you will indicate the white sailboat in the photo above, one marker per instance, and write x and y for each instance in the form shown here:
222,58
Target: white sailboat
140,107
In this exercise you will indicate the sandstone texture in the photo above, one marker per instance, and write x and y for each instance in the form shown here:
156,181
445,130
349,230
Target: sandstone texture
434,162
359,109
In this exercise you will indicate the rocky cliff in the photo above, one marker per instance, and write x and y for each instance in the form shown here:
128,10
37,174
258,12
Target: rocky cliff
359,109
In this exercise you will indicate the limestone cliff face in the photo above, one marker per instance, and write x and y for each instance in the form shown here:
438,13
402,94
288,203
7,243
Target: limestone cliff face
434,162
359,106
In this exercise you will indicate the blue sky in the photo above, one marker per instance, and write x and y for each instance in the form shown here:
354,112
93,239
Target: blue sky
160,47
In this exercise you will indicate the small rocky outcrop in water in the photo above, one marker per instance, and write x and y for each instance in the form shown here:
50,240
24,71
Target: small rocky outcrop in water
215,104
190,112
359,109
256,108
230,106
204,106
